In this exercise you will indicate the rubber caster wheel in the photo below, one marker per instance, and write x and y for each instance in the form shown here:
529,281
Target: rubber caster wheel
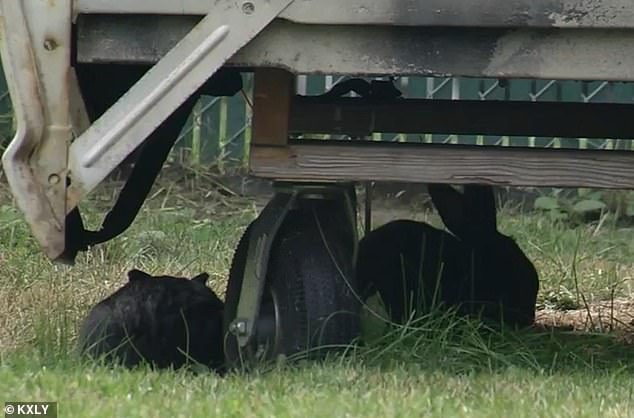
310,302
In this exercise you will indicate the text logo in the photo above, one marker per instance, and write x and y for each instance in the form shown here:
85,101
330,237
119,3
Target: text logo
37,409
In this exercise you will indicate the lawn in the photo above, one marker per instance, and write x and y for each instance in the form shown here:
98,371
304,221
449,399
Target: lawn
438,366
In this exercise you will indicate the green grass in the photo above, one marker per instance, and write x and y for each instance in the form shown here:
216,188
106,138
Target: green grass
437,366
334,390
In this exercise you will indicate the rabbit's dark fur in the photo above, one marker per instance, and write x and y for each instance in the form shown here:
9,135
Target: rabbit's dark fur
475,268
165,321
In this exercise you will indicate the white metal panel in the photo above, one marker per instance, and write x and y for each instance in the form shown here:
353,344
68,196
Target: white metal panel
598,54
490,13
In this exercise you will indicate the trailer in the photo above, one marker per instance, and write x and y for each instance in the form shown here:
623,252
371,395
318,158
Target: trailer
94,82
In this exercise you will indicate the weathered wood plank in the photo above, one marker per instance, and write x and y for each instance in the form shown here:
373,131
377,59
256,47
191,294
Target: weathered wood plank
356,116
427,163
273,89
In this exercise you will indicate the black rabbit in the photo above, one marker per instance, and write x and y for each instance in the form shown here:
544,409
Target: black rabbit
164,321
475,269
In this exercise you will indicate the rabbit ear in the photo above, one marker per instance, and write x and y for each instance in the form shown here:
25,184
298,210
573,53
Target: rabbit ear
450,204
468,214
201,278
480,206
137,275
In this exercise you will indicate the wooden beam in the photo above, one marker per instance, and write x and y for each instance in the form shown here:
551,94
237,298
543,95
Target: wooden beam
357,116
273,89
454,164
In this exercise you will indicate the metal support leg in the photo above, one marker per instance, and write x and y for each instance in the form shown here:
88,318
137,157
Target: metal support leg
36,59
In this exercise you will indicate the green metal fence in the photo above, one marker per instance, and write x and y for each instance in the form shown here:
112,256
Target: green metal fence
222,132
219,130
7,122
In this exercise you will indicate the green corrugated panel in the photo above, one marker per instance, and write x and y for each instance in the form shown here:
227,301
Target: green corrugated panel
6,112
210,121
418,87
315,84
237,121
469,88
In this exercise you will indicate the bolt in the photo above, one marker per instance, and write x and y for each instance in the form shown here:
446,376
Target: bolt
248,8
53,179
50,44
238,327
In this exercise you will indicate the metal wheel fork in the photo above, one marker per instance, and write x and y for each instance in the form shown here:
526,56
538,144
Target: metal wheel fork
263,233
265,228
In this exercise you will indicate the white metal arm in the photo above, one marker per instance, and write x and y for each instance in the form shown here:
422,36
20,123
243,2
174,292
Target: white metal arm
36,60
166,86
36,56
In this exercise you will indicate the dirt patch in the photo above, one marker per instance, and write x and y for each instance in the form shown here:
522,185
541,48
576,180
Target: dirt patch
603,316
